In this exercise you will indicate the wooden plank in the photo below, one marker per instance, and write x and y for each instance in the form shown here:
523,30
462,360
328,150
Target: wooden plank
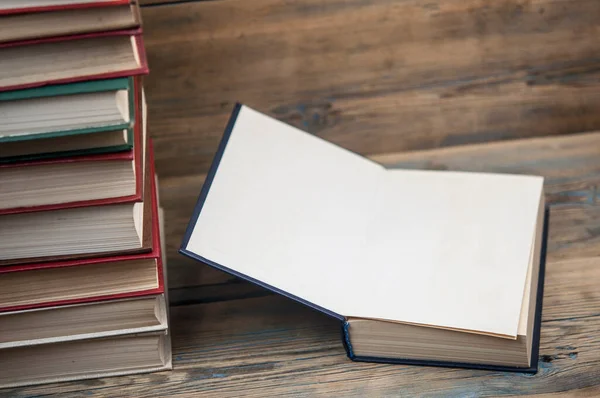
571,165
273,347
373,76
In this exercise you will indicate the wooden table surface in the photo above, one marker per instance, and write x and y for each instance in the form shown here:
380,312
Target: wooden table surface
507,86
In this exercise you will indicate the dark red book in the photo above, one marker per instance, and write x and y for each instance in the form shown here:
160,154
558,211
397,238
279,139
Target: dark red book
67,59
53,184
47,284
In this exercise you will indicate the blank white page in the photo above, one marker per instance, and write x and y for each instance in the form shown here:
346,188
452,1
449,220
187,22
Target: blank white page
326,225
451,249
289,210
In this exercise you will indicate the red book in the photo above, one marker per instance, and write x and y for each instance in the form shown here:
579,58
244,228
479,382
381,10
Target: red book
94,179
55,283
38,6
67,59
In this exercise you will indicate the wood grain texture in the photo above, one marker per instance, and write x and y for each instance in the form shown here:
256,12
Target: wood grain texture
374,76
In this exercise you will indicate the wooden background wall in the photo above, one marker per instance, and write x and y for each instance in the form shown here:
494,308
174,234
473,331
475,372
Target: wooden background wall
374,76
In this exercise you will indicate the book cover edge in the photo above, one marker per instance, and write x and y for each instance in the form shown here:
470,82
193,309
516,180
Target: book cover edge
211,175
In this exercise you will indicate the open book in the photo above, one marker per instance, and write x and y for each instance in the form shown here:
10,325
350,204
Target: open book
432,267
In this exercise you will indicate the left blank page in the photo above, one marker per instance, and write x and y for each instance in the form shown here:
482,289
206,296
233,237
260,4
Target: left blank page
288,209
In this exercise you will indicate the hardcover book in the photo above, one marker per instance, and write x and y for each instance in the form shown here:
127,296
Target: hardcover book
421,267
23,19
68,120
67,59
86,359
83,321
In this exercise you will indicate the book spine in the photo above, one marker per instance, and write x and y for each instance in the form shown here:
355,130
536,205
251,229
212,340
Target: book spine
210,176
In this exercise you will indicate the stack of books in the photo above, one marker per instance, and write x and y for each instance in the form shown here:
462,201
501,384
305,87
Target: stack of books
82,278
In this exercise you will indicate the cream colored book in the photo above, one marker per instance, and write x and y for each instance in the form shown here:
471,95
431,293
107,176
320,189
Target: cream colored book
68,282
83,321
430,267
85,359
101,55
107,104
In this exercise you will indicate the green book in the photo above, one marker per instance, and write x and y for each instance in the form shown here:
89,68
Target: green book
68,119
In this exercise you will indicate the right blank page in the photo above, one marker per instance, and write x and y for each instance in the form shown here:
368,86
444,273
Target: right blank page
453,247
